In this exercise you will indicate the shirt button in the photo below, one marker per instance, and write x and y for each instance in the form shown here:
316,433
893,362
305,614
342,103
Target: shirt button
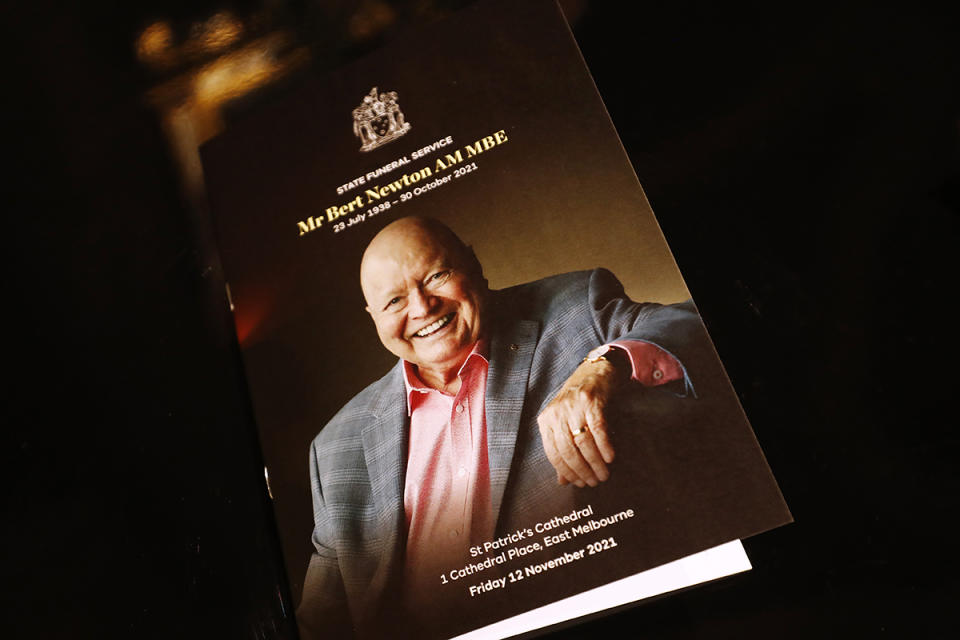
459,408
657,374
454,533
462,472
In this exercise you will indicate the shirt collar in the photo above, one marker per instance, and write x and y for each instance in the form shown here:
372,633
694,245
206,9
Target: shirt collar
412,382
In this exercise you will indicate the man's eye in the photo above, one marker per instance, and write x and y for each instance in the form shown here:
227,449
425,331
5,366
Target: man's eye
440,275
393,302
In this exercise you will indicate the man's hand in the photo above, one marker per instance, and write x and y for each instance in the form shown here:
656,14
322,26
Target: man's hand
580,455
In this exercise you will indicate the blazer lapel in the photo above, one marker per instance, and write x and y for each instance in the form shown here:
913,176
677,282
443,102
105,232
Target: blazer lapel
511,354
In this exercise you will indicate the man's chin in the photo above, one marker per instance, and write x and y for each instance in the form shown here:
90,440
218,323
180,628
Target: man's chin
442,356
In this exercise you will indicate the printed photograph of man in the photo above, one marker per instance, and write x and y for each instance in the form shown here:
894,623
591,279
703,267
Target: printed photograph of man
496,413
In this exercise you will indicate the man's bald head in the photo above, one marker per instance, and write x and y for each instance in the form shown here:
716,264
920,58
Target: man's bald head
400,235
425,292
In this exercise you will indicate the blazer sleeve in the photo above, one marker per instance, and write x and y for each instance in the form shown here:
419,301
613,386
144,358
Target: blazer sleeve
675,328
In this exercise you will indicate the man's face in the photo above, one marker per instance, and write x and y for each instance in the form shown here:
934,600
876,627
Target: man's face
426,307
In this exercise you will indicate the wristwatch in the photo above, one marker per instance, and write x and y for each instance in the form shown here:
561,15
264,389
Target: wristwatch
615,356
599,353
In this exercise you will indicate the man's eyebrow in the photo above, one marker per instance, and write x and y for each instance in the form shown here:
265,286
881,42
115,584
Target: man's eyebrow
444,264
384,297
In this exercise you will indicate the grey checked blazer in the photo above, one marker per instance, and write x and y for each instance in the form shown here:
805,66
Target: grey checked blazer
540,334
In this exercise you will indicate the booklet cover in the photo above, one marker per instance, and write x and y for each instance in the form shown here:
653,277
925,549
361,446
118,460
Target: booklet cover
485,401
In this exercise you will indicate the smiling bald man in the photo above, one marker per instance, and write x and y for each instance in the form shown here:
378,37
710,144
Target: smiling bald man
495,415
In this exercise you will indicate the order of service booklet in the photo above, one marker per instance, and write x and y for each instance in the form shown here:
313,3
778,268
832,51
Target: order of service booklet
518,319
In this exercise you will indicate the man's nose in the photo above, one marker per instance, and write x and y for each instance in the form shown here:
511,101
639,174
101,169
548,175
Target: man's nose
420,304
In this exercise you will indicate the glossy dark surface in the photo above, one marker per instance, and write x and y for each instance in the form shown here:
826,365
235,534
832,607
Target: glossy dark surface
803,165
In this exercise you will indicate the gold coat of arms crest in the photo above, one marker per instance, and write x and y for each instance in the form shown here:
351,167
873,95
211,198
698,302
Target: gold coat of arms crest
378,120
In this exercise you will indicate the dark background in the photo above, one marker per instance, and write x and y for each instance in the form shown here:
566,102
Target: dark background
803,164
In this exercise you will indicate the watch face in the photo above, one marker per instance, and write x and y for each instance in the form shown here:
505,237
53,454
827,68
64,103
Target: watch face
598,353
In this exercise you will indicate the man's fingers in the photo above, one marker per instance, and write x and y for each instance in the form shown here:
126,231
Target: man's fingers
588,449
598,429
575,438
564,473
572,455
587,415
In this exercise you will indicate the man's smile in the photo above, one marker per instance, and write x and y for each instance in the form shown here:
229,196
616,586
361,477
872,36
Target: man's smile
433,327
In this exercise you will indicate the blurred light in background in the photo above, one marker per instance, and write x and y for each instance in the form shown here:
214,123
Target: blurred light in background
216,34
221,59
155,45
371,19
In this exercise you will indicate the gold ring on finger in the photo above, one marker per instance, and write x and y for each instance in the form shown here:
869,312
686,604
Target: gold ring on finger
577,432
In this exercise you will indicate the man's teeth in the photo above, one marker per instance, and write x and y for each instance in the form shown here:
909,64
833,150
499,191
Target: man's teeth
430,328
